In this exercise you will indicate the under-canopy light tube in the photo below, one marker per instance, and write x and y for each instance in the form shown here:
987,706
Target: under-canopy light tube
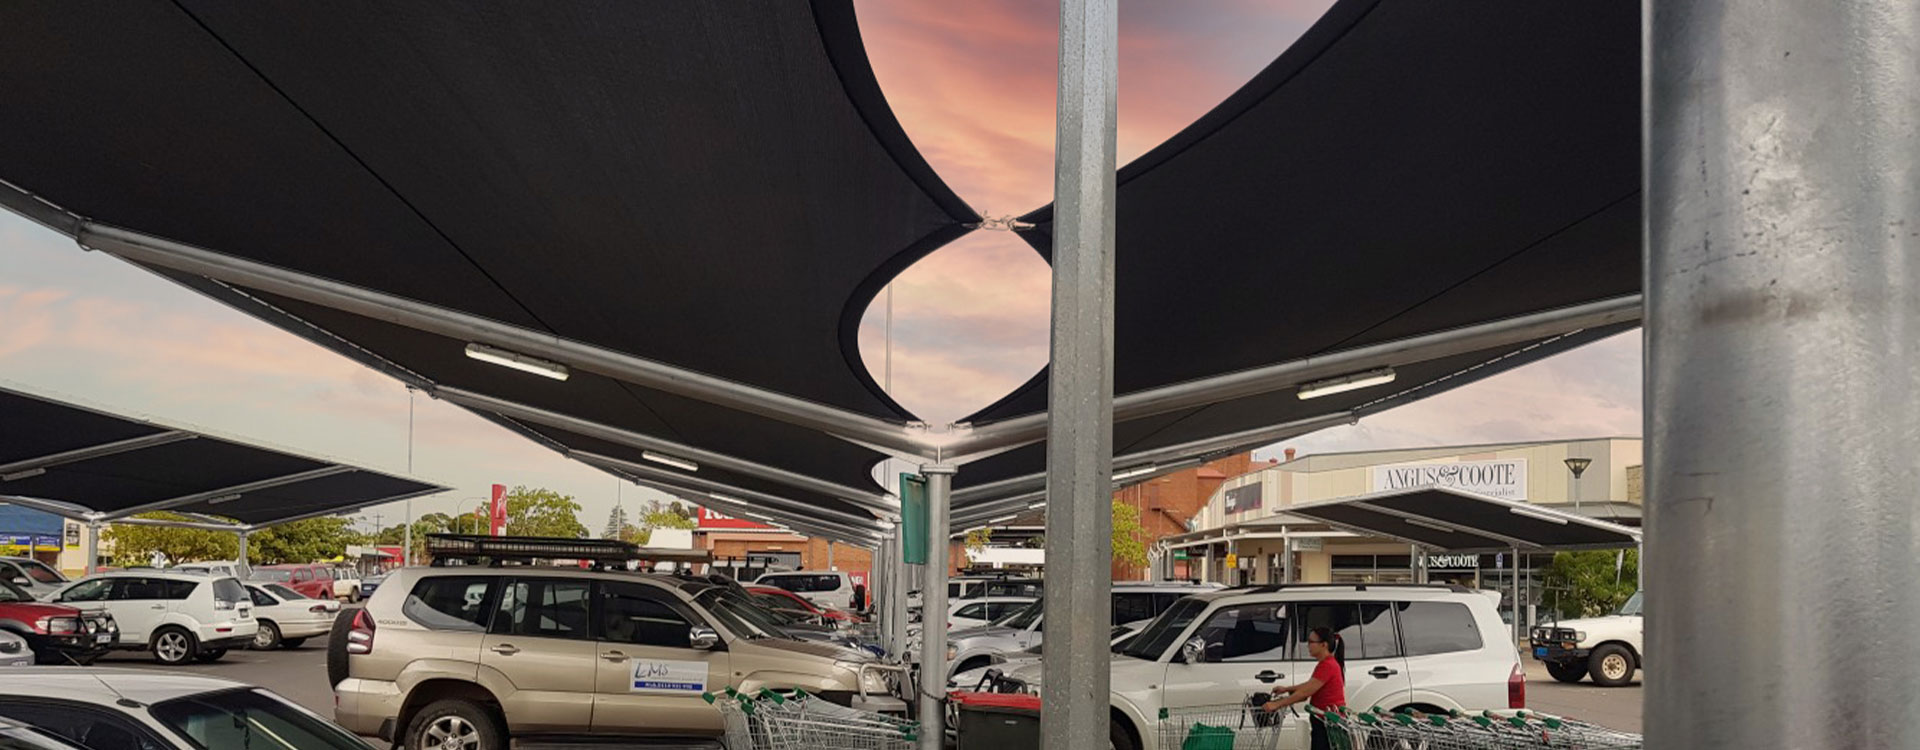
1036,505
224,499
25,474
1002,519
1344,383
1432,525
1135,471
673,461
517,361
1539,515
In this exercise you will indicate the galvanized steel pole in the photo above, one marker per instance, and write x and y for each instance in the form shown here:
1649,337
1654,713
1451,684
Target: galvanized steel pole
1783,363
933,609
902,586
1075,680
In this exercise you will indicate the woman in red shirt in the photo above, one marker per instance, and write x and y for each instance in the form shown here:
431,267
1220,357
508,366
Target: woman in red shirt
1328,687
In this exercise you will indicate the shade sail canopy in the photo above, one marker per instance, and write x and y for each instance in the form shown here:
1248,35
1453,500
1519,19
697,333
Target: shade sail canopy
1450,520
715,186
1403,169
92,461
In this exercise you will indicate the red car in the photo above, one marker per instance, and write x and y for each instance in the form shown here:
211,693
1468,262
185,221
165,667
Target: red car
57,633
312,581
779,598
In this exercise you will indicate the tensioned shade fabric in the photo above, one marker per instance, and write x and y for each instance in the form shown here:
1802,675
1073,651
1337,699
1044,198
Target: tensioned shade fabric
111,464
1451,520
715,186
1404,168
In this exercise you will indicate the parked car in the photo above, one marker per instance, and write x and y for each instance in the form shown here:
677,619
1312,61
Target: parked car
783,600
314,581
828,588
976,586
369,584
36,577
346,583
124,709
971,648
977,678
17,736
1434,648
222,568
972,613
55,633
14,651
286,618
1607,648
178,617
488,654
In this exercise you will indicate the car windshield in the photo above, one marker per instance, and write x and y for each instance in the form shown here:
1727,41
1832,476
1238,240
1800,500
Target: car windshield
12,593
40,573
273,575
283,592
1632,607
1153,640
1022,618
250,719
739,616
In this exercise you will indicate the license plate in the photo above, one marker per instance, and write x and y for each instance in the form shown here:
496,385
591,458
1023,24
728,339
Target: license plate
103,638
1540,652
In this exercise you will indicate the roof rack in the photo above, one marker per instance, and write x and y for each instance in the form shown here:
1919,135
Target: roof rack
498,550
1270,588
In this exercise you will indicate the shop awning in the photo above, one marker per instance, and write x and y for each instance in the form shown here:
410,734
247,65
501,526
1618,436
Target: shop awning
1457,521
84,463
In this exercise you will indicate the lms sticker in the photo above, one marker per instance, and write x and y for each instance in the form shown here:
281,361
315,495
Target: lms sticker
669,676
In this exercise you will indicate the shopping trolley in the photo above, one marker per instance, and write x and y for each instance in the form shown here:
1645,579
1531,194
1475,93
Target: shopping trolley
796,720
1229,726
1517,730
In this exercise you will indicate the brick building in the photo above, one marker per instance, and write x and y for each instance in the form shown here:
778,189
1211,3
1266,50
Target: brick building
1166,503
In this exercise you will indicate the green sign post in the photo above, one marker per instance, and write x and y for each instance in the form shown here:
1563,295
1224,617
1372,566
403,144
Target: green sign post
913,518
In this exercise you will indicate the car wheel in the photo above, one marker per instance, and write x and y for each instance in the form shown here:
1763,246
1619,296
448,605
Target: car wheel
212,654
267,638
174,646
337,646
1119,737
454,725
1566,672
1611,665
292,643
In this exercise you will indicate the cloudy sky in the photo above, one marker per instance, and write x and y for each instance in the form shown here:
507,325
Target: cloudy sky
973,85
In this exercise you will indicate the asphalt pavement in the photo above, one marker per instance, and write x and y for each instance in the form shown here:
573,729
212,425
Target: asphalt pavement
1615,708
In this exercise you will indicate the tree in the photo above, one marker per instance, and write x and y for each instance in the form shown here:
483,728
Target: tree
302,541
431,523
1585,584
667,517
616,523
977,539
135,544
1128,548
543,512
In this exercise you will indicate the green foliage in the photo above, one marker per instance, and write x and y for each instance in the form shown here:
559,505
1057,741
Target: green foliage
1586,584
135,544
310,540
543,512
1129,547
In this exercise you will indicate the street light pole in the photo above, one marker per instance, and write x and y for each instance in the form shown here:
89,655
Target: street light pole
1578,466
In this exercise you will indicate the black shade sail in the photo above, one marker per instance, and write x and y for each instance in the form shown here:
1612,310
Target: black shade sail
1403,169
115,466
715,186
1450,520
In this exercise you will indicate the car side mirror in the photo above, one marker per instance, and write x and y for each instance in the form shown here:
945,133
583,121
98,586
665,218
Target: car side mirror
1194,651
702,637
21,581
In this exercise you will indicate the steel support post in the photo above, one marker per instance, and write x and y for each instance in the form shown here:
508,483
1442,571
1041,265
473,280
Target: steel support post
1783,361
933,610
240,564
1515,585
1286,562
93,546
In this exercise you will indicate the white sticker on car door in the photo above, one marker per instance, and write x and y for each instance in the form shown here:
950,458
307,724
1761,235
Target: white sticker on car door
654,675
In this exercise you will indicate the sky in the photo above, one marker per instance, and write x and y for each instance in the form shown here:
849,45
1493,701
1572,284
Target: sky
971,83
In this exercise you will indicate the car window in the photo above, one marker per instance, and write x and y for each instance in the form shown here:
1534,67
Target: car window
826,583
1157,636
545,608
1024,617
998,610
953,589
448,603
138,589
1013,588
12,593
38,572
95,590
177,590
790,583
250,719
22,738
284,592
1379,637
89,726
260,598
273,575
1438,628
1131,606
1246,632
1343,618
1161,601
302,575
974,611
640,614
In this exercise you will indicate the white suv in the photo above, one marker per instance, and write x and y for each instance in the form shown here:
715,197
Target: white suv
1436,648
830,589
1606,647
973,648
179,617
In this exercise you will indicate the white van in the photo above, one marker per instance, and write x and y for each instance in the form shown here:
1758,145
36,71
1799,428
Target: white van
828,588
1435,648
179,617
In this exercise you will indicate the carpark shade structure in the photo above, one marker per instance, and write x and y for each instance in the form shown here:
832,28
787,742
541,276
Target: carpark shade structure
97,467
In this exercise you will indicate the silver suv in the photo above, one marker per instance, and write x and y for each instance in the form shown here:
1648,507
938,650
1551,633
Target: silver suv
973,648
469,657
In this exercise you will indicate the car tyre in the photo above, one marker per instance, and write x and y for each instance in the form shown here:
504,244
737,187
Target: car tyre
1566,672
174,646
210,655
1611,665
268,637
454,724
337,647
1119,737
292,643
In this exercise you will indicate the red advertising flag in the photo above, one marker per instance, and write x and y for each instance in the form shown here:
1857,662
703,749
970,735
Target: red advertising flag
497,512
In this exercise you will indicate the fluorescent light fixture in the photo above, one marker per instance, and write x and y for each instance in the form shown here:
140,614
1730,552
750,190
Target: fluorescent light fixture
1431,525
1538,515
24,474
1036,505
673,461
1002,519
1346,383
224,499
1136,471
727,498
517,361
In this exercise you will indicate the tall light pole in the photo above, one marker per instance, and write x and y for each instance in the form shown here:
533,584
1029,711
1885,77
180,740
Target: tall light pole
1578,466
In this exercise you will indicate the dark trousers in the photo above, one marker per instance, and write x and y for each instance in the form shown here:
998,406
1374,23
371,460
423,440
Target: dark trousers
1320,741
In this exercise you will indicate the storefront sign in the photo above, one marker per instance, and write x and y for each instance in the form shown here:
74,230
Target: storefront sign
1506,480
1457,562
1179,554
1309,544
1243,498
23,543
708,519
1233,560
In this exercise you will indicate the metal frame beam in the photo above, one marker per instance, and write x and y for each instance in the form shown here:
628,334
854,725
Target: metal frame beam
238,489
874,499
356,507
701,484
181,524
824,529
95,451
68,511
